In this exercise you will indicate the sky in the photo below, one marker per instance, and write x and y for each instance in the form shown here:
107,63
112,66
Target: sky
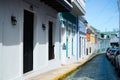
102,14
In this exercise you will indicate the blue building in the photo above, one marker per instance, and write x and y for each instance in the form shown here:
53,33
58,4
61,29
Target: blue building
82,23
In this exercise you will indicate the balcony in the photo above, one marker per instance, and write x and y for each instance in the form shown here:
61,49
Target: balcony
59,5
78,7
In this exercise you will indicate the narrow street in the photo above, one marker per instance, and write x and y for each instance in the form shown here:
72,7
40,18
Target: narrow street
98,68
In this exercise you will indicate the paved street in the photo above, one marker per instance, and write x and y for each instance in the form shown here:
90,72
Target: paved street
98,68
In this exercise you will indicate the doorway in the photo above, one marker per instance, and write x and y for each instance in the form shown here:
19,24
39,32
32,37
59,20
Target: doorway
50,39
28,41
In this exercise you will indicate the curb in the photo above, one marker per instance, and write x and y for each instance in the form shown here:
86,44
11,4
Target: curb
63,75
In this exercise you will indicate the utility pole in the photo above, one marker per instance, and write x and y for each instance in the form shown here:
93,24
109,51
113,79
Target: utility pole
119,21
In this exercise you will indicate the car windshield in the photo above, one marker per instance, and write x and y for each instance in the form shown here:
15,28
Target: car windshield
113,50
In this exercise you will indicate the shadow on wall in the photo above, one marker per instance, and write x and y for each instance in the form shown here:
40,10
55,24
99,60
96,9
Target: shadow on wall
13,35
43,35
10,35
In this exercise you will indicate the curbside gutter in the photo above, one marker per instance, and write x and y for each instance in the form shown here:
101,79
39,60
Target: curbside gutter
69,71
63,75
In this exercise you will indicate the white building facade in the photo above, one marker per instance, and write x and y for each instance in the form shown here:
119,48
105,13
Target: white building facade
69,32
29,41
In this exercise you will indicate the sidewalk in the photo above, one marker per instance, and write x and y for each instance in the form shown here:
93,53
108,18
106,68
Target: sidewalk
59,73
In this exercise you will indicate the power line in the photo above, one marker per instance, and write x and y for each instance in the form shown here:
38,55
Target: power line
110,18
101,12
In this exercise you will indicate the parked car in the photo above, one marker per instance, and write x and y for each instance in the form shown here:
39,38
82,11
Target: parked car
110,53
113,57
107,49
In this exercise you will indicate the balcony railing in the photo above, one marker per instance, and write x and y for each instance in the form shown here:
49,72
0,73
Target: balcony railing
82,3
79,6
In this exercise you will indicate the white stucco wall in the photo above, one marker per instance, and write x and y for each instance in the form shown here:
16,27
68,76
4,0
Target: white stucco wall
0,48
44,14
63,41
11,59
11,39
103,44
1,21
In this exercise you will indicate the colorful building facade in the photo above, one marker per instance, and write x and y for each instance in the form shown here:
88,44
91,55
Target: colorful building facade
29,37
82,37
92,40
34,38
68,37
69,32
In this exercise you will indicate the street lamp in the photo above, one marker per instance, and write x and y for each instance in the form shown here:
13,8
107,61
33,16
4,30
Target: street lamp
119,21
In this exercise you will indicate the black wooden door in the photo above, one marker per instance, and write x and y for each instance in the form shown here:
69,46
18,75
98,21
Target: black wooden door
51,46
28,41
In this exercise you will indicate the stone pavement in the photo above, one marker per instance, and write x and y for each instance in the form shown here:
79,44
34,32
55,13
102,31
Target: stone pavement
61,72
